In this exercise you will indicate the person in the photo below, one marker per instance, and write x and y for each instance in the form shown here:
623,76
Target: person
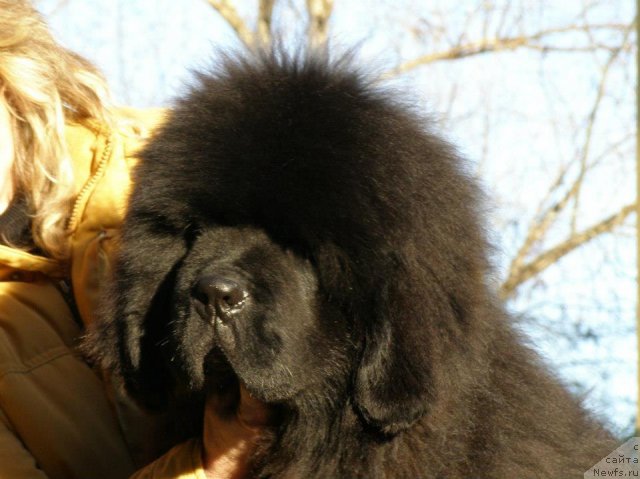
65,159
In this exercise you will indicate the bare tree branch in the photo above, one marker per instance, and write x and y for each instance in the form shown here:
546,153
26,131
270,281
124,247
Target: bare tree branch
319,13
542,225
543,222
265,12
552,255
500,44
592,120
230,14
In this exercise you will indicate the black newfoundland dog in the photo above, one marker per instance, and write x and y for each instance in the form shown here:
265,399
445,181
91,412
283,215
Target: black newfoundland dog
296,229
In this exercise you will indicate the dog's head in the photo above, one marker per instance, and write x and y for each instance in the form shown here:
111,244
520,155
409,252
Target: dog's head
243,304
297,224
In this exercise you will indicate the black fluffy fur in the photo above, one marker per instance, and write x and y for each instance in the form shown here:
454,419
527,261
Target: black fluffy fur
370,326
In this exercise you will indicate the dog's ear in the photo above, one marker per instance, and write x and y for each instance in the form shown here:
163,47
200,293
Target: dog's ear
412,324
131,326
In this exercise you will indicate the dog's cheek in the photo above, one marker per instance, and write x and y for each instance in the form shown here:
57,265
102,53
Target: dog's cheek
251,343
281,355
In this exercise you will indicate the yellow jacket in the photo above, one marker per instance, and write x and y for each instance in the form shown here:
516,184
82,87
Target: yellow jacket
58,419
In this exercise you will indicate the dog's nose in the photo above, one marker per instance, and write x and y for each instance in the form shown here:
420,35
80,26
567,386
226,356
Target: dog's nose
222,293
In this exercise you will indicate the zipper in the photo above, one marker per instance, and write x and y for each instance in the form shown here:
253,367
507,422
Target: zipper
86,190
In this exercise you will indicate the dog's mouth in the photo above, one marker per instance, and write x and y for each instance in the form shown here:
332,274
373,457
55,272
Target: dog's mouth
222,385
225,392
222,382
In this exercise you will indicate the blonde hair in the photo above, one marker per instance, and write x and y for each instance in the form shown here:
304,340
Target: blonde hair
44,85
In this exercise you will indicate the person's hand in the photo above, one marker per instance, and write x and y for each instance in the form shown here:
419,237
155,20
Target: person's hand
229,437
